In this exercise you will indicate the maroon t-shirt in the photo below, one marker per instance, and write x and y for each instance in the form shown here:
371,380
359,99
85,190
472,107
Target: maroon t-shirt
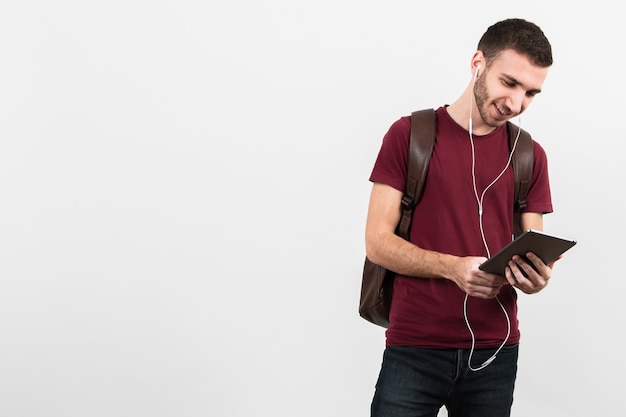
428,312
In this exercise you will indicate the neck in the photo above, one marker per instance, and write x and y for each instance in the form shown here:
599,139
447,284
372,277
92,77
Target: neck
461,109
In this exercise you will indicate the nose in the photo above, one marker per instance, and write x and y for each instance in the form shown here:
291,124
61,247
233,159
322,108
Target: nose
518,101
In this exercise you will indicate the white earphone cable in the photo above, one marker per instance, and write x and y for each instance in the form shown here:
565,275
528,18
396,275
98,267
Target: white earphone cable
479,201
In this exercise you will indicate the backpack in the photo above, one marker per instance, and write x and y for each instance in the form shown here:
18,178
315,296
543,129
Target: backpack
377,282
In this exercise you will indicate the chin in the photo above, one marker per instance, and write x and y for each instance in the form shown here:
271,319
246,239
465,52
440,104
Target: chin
499,119
495,122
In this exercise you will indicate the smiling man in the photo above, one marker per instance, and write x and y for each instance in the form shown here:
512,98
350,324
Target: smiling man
453,331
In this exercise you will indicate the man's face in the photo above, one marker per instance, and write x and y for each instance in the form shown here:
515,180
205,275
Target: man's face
507,87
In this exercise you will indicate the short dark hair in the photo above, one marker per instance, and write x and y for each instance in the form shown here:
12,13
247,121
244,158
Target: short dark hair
523,37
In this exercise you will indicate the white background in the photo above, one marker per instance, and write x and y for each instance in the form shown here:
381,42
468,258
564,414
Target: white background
184,185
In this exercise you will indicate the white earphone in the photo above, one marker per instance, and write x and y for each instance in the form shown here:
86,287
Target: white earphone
479,201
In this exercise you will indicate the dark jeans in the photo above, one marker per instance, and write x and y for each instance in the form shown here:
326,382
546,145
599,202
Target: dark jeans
418,382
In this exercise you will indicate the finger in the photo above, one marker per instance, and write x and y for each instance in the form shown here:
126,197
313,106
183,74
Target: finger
537,262
508,274
522,279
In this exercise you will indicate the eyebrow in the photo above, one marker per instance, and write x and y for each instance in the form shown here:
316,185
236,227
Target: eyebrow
517,82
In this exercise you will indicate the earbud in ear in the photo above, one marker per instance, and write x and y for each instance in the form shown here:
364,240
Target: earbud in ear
476,72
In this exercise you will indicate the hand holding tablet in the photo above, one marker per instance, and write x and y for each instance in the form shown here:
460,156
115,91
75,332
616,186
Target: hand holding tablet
545,246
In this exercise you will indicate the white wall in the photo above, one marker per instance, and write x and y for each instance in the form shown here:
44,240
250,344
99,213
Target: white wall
183,189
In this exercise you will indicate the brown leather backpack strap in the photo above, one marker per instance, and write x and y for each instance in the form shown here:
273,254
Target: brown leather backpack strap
423,125
522,169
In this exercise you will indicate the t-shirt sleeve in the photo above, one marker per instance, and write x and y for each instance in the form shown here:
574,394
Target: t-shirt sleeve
391,164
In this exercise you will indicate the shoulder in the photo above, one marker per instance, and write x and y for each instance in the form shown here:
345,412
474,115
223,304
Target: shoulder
539,153
529,143
397,138
399,129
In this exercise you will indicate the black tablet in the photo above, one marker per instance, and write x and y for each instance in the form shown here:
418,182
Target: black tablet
546,246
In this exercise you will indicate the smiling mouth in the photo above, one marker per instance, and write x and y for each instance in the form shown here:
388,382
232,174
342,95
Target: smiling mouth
502,111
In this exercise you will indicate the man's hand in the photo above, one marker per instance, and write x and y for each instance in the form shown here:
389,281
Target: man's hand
475,282
529,277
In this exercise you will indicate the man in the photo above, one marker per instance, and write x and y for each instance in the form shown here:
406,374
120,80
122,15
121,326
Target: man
453,335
